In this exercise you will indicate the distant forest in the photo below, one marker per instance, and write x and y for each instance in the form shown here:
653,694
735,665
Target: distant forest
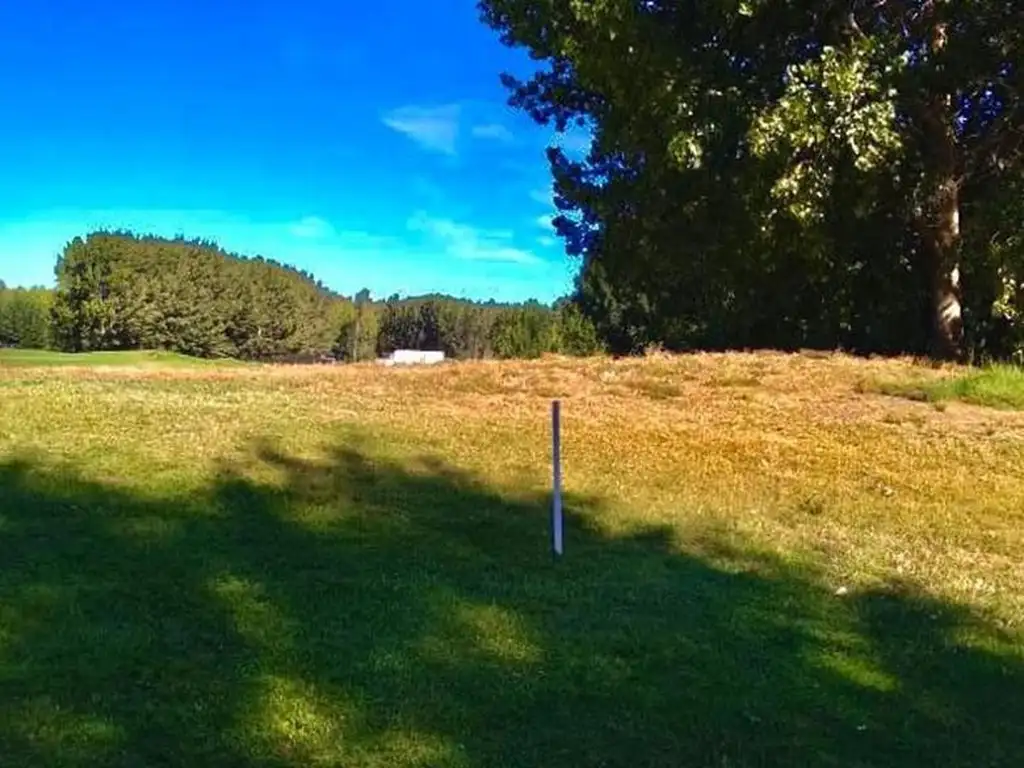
125,291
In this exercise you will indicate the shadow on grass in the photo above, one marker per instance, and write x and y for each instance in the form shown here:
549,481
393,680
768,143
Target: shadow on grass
361,613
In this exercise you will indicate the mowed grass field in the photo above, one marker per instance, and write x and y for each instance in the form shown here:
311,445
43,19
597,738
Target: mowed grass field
768,563
29,358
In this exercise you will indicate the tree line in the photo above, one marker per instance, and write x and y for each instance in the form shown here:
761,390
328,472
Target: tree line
787,174
25,317
123,291
466,330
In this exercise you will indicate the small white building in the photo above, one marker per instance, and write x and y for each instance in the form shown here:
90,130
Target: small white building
413,357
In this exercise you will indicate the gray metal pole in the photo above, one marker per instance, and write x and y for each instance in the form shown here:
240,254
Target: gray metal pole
556,461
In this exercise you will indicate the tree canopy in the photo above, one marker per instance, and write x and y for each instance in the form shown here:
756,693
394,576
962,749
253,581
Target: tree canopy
775,173
117,290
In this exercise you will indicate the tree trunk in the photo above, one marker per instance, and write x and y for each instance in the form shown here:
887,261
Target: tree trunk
939,224
940,245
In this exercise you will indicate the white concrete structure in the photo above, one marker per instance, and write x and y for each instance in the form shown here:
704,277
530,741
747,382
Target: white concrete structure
413,357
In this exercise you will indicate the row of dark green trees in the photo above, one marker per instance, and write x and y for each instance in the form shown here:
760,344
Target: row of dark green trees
123,291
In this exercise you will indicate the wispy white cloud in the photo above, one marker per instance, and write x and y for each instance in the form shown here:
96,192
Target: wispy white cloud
312,228
494,131
546,221
471,243
433,128
546,241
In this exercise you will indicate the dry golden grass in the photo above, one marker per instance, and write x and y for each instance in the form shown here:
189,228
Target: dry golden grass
788,450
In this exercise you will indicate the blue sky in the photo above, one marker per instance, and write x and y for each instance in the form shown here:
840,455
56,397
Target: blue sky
369,143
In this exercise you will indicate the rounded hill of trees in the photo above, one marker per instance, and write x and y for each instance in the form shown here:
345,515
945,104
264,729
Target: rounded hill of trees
123,291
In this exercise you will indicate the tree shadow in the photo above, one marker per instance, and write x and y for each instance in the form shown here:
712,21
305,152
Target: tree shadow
359,612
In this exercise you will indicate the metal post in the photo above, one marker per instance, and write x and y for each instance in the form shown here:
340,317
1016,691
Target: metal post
556,462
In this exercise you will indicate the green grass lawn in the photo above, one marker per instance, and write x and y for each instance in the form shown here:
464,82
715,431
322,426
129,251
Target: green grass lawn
995,386
49,358
350,567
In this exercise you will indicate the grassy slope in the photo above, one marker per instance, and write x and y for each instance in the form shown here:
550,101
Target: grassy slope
296,566
997,386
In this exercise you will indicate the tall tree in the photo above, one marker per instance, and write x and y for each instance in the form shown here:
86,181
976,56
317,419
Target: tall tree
747,152
358,339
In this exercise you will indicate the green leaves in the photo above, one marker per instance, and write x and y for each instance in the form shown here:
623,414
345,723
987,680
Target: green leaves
838,104
755,156
25,317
